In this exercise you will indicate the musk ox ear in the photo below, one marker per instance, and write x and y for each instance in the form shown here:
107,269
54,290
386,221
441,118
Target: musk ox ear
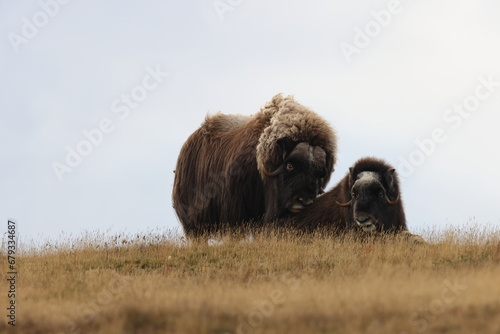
286,145
390,179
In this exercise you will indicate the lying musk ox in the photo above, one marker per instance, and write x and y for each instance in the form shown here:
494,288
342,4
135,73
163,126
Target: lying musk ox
254,169
368,198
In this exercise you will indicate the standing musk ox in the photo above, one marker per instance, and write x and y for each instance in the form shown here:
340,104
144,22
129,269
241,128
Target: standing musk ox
368,198
239,169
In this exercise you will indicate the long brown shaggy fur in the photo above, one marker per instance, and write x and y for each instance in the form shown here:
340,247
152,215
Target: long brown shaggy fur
327,214
220,177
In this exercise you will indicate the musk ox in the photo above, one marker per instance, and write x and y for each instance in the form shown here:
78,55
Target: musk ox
239,169
368,198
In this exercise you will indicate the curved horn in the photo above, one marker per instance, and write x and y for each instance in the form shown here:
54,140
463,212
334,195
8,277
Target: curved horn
392,202
344,204
272,174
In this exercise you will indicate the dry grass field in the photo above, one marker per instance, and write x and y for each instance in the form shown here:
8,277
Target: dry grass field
154,284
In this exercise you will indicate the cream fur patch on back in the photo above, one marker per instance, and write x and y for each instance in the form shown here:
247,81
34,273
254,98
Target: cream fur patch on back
220,123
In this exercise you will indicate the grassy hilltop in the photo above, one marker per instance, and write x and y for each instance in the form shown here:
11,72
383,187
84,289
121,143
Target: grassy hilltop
155,284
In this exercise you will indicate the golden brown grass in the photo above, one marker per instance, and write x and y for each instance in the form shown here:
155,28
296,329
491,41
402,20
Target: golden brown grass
269,285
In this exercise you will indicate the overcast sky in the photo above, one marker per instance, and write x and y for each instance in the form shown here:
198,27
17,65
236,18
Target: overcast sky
416,83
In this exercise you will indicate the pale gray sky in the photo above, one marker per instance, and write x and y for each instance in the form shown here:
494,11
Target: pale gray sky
385,74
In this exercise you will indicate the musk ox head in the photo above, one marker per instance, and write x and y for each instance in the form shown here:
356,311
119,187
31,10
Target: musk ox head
299,178
295,157
375,203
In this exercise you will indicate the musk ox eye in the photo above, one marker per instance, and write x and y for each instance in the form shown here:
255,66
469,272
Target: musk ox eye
380,193
289,167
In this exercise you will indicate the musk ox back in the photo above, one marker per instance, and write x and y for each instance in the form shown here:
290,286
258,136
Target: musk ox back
252,169
368,198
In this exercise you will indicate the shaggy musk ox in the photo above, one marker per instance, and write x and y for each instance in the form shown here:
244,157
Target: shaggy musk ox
239,169
368,198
